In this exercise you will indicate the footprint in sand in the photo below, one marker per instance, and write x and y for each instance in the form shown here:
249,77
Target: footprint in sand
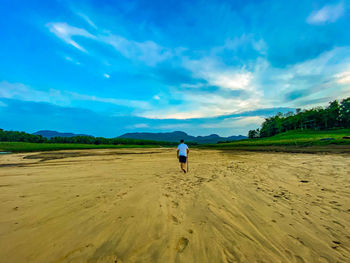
289,254
175,220
109,258
299,259
182,244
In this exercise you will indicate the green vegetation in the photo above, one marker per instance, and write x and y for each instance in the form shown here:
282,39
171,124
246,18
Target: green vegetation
36,147
312,130
293,138
14,141
336,115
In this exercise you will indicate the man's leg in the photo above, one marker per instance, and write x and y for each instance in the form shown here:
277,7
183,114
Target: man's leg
183,167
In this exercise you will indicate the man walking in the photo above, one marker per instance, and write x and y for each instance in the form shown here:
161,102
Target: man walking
182,152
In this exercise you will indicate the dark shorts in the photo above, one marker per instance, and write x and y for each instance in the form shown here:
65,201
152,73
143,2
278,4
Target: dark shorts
182,159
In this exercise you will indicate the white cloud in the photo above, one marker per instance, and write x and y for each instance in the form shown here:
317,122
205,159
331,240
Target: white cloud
219,75
201,105
140,125
327,14
62,98
196,102
148,52
231,80
317,80
260,46
172,113
314,66
23,92
264,86
244,121
67,32
243,41
178,126
235,42
192,86
72,60
122,102
236,122
343,78
215,104
87,19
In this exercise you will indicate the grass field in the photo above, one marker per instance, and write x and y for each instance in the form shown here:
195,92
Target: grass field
291,140
288,141
36,147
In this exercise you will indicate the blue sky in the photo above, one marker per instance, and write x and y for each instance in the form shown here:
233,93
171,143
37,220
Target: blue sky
109,67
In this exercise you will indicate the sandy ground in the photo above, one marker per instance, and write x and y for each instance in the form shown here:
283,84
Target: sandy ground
136,206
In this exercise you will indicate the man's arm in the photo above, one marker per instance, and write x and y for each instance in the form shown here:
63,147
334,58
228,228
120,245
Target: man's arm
188,150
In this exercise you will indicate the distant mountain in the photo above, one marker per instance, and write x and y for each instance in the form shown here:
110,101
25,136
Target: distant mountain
49,134
165,136
178,135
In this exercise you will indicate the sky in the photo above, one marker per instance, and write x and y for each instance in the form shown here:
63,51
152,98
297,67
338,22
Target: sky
107,67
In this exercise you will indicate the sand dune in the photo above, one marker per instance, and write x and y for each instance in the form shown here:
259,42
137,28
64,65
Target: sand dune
136,206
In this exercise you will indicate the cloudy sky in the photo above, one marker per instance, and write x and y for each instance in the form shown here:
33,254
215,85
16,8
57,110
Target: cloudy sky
109,67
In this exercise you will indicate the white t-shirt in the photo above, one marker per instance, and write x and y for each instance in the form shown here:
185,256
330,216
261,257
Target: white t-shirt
182,149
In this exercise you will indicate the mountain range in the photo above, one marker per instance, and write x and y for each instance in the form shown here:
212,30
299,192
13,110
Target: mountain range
178,135
49,134
163,136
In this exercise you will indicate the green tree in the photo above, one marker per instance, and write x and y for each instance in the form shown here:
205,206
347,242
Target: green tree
345,112
252,134
333,114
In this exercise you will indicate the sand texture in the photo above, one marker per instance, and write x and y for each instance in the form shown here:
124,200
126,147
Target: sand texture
135,205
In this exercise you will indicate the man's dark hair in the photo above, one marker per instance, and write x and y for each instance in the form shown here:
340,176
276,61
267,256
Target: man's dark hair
181,141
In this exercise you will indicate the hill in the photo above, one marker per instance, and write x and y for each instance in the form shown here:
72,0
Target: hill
178,135
16,141
294,141
49,134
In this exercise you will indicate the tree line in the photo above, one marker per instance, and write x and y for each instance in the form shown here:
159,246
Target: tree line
16,136
335,115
